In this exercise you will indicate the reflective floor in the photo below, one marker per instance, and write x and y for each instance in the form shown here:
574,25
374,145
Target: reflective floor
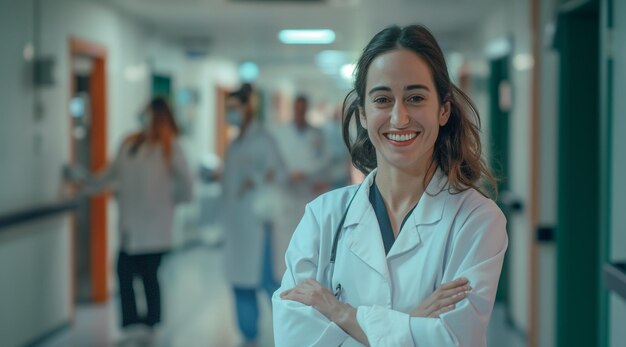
198,311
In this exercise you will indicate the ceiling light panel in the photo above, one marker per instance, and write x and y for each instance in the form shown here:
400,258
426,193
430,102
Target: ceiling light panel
306,36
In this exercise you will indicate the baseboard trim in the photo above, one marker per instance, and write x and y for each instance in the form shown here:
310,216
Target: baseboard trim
47,335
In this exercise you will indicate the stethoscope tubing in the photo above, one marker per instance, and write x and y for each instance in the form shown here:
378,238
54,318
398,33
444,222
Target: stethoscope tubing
333,249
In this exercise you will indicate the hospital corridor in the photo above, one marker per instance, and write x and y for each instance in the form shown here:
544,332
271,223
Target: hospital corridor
272,173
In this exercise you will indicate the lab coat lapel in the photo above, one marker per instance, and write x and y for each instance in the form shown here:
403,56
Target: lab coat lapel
426,214
362,231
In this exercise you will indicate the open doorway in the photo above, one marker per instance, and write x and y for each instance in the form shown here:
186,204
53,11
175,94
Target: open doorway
88,132
80,110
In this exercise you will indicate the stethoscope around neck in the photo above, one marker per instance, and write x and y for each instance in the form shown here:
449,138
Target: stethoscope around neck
333,249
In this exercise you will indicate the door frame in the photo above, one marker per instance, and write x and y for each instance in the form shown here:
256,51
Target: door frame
98,153
221,128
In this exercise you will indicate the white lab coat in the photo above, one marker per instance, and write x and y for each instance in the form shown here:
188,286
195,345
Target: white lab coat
448,236
250,157
301,151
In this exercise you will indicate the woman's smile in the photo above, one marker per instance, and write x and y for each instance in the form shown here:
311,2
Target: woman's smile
401,138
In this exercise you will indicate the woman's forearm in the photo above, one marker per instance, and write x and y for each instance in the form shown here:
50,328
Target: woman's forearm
345,317
312,293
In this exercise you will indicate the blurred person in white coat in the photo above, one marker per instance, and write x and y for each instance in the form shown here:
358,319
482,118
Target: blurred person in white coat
339,166
149,176
412,256
252,164
307,157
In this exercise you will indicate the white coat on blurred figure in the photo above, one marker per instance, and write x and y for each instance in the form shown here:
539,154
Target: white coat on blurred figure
253,255
252,167
306,157
250,161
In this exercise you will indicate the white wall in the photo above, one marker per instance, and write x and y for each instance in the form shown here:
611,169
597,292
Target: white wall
35,286
35,269
548,159
617,237
19,128
617,317
547,217
618,184
34,258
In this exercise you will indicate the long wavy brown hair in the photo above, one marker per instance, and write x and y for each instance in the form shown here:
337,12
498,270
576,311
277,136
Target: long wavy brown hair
457,148
162,130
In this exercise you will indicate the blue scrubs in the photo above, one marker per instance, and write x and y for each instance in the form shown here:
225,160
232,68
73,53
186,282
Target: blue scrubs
246,298
376,199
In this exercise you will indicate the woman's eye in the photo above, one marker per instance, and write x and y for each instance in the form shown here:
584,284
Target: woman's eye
415,98
380,100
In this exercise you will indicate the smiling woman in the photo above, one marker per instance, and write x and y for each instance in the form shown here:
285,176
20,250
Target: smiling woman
417,52
414,257
404,112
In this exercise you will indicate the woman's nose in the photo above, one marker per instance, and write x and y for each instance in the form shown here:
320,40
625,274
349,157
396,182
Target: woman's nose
399,116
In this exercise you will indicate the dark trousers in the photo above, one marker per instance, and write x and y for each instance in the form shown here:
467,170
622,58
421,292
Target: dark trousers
146,267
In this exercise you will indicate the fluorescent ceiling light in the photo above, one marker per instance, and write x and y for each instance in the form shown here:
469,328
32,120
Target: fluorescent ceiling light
248,71
347,71
498,48
303,37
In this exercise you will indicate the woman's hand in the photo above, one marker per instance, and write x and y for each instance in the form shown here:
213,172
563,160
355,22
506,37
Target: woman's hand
312,293
443,299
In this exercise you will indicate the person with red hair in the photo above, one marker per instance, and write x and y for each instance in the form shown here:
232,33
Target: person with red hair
149,177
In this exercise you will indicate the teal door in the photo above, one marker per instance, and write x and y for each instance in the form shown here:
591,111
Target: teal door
577,232
499,107
162,86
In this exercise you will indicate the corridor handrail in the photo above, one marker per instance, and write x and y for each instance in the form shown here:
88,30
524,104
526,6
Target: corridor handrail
37,212
615,278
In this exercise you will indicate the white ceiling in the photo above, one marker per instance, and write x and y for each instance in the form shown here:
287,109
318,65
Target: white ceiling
247,30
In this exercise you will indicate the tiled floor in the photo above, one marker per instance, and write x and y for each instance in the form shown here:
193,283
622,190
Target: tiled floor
198,310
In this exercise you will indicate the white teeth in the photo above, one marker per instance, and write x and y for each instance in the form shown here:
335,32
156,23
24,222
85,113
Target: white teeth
401,138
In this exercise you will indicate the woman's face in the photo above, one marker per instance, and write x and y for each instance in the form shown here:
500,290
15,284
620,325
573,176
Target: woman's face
402,111
235,112
239,113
